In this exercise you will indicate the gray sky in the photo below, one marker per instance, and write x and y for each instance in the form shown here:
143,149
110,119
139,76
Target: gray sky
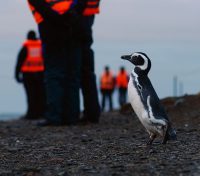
127,19
168,30
150,20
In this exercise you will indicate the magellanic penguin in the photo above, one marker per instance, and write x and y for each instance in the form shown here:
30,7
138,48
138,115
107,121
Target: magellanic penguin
145,101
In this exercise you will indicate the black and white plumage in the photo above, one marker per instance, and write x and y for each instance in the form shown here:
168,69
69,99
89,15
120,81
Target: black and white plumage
145,101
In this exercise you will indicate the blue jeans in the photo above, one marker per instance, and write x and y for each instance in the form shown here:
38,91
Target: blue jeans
88,77
62,81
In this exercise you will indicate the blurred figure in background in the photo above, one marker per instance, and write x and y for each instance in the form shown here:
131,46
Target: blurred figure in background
91,105
107,86
29,71
122,84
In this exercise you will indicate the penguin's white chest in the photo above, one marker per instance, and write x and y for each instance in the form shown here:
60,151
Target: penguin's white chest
145,117
136,102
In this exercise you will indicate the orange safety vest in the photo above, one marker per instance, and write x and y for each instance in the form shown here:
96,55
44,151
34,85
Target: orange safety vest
107,82
60,6
122,80
34,59
91,8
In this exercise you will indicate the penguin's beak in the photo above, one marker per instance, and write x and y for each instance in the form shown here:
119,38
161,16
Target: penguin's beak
126,57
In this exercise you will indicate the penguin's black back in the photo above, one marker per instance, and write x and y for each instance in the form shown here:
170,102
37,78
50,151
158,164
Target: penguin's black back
146,89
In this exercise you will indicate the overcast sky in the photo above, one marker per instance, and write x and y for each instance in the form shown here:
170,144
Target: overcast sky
138,19
168,30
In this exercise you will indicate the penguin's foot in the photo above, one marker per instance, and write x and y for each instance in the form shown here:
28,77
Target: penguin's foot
165,139
151,139
149,142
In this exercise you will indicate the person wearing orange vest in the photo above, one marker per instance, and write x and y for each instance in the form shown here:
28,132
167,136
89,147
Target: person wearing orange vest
29,71
122,84
59,25
107,85
91,112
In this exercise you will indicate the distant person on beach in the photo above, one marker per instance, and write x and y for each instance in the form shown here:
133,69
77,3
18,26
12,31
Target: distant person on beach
107,85
91,105
122,84
29,71
59,24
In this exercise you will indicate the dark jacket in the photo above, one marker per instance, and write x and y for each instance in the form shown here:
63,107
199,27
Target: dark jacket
58,29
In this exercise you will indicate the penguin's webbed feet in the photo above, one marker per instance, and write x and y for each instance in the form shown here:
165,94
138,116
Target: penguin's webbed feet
165,138
151,139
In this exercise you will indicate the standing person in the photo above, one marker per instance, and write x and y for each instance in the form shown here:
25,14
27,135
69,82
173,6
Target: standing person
58,22
91,105
107,85
29,71
122,84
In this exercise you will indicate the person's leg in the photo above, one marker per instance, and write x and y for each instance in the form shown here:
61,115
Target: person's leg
72,85
28,86
40,95
110,100
123,96
62,80
88,77
103,100
122,93
54,60
120,97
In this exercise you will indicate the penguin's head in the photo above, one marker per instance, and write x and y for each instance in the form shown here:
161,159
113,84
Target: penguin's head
140,60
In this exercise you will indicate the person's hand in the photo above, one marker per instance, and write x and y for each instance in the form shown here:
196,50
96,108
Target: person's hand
19,78
71,18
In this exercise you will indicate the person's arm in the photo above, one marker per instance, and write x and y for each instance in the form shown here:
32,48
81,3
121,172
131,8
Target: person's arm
52,16
45,10
73,16
20,60
81,5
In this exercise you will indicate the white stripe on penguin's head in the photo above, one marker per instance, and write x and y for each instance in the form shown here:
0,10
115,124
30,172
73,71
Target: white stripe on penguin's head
143,66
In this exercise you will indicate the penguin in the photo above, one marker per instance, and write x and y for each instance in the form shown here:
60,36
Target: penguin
145,101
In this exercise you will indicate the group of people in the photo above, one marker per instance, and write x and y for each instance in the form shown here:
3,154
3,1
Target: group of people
65,28
55,66
108,83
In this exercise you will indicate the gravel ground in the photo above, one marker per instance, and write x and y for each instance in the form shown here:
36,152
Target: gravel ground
115,146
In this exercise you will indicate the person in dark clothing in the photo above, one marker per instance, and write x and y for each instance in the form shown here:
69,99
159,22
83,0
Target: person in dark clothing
122,84
59,25
91,105
107,86
29,71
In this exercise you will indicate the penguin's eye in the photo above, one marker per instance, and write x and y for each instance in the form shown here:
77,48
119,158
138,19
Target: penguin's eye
140,60
137,60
